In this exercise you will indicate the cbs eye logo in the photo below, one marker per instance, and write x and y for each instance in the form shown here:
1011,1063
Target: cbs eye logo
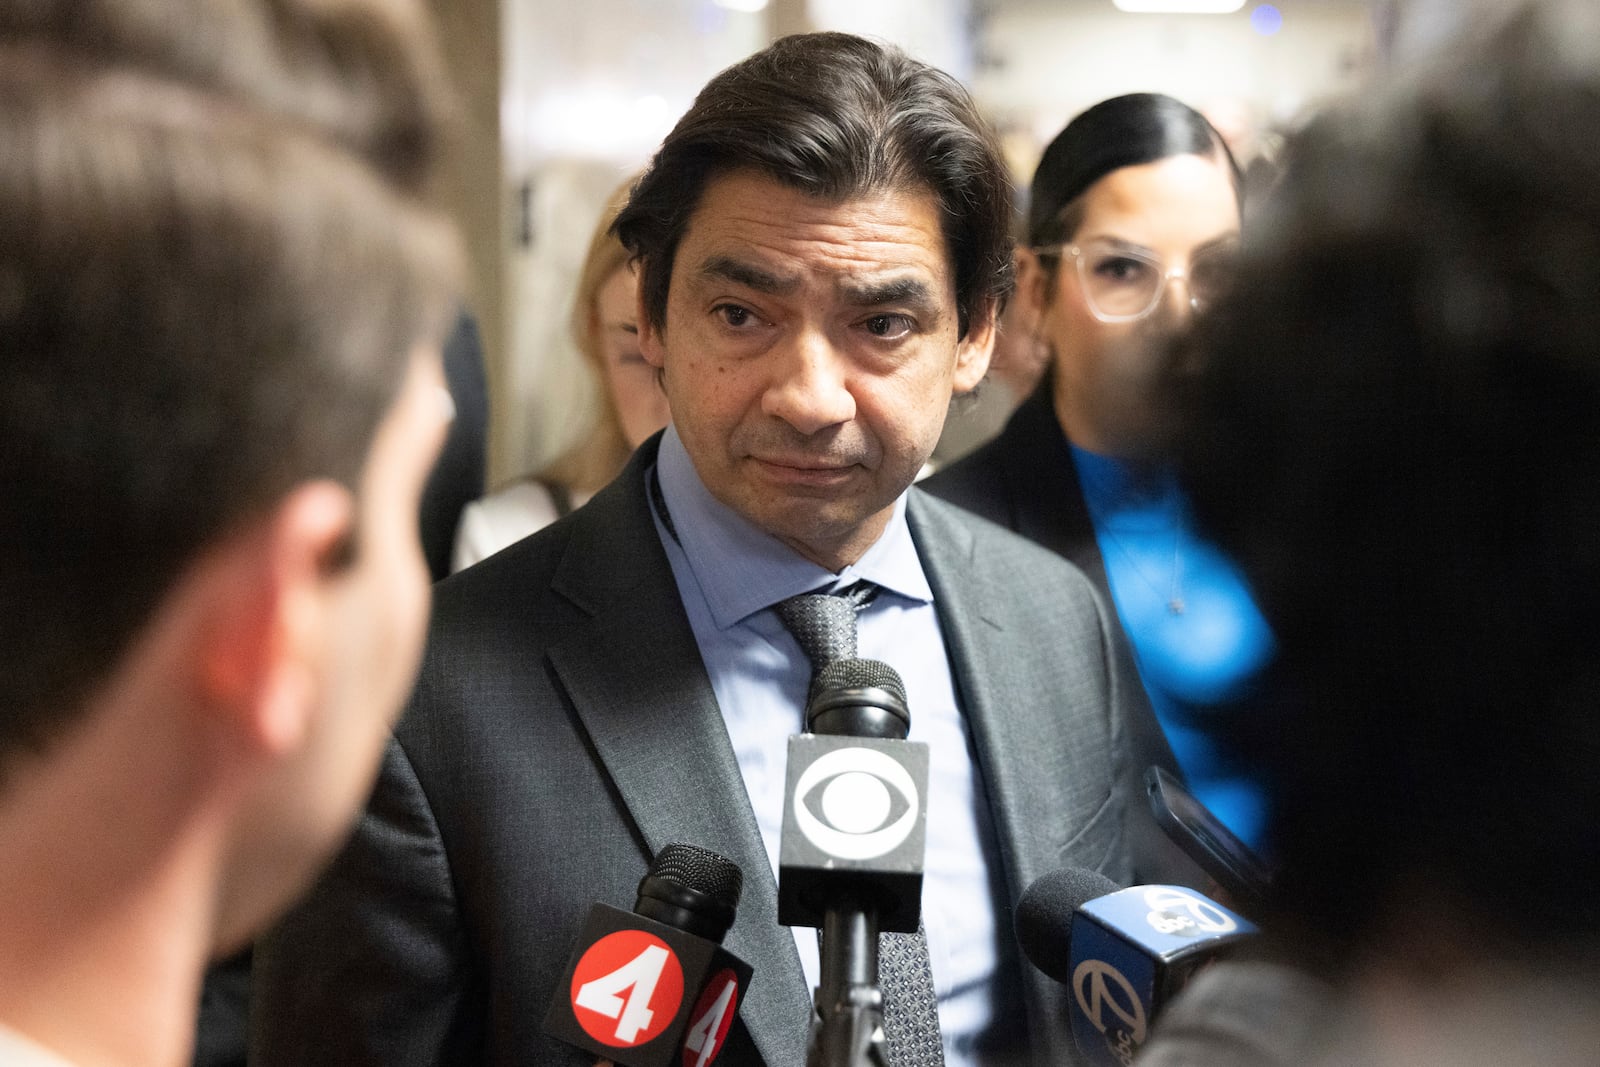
856,804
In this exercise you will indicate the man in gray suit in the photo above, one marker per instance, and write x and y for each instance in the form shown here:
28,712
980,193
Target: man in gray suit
824,247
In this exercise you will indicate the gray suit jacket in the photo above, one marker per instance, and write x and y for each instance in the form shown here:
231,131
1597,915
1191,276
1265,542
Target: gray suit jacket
564,729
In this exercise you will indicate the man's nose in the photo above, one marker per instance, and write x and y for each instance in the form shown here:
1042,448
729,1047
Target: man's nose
809,390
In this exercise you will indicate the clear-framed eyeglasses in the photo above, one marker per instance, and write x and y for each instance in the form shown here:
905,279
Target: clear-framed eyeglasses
1122,284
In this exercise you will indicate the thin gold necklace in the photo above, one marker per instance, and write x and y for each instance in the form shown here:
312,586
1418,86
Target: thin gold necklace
1174,594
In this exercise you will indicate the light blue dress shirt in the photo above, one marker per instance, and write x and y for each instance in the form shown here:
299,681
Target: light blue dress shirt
729,575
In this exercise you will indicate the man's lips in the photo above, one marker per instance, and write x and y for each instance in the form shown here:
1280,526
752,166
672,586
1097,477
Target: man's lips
805,463
804,468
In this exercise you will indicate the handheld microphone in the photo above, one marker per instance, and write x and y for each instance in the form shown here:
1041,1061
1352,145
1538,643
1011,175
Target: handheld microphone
654,987
1124,953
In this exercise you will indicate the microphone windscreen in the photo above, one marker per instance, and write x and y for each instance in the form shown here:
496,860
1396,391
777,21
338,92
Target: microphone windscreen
693,889
1044,916
654,987
702,870
858,698
860,674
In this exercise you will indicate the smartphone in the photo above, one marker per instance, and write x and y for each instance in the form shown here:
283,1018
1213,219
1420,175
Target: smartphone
1192,826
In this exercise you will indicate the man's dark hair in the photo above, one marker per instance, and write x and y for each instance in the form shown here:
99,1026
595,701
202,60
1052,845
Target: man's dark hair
1396,432
1124,131
215,261
836,117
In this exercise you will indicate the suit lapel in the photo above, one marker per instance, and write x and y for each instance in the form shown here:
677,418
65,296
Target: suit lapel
1024,733
637,683
1021,751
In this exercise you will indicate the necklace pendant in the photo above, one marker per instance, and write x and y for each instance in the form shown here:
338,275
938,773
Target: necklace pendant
1175,605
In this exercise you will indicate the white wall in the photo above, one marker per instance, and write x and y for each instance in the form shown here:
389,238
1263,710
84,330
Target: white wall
934,31
1046,60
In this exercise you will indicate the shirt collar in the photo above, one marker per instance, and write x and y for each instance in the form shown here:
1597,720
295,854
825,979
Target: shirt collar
713,534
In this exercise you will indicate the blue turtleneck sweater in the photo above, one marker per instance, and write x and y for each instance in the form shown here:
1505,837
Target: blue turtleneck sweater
1196,634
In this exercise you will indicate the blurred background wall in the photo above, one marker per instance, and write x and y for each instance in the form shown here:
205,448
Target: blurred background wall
564,98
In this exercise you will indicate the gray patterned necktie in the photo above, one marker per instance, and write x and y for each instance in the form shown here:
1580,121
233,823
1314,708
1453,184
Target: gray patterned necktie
910,1006
824,624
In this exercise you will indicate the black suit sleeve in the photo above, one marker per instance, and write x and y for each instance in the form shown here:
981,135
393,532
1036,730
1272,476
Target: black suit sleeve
372,969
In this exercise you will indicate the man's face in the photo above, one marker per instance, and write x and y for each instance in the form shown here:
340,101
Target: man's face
810,353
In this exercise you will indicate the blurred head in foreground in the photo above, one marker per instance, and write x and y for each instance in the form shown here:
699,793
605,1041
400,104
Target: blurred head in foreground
221,301
1395,434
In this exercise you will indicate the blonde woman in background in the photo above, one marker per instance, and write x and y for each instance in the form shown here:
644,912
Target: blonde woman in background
632,406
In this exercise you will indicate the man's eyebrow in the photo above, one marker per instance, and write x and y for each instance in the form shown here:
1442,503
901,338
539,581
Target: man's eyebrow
726,268
910,291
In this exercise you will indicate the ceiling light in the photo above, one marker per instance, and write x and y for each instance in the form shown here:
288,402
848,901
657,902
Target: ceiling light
1179,7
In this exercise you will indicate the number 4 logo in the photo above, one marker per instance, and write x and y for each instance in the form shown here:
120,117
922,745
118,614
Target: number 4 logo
711,1019
627,988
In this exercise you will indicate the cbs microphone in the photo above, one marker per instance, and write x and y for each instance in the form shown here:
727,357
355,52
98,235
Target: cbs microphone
1123,953
654,986
855,817
851,853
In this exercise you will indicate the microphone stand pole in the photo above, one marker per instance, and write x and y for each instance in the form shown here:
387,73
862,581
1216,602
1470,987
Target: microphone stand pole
848,1028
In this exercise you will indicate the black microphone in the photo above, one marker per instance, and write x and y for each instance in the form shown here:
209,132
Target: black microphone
1123,953
654,986
851,854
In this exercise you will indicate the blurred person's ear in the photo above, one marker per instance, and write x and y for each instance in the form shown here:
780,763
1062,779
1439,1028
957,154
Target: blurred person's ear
266,629
650,346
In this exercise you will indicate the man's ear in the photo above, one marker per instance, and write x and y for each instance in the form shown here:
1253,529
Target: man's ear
268,626
650,346
973,350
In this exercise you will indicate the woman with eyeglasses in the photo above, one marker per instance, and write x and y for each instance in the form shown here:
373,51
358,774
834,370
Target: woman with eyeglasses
1133,221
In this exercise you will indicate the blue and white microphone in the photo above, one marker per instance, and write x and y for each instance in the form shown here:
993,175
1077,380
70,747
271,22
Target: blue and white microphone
1122,953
